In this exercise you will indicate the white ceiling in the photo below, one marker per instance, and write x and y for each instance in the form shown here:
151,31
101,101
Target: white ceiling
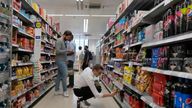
97,25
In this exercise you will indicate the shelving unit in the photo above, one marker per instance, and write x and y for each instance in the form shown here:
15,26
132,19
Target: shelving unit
42,80
137,50
5,44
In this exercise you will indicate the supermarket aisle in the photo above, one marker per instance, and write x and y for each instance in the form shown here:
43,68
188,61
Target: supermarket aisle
51,101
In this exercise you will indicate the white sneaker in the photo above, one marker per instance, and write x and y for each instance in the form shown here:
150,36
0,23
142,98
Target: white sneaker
83,105
66,94
57,93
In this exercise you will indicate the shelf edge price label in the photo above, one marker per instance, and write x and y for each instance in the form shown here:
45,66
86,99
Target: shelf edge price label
38,24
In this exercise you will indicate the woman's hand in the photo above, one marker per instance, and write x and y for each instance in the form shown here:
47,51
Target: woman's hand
114,92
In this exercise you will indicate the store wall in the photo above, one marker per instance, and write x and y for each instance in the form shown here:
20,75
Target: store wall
92,45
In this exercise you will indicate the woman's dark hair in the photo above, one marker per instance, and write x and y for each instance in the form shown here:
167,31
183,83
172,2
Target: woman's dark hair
97,67
80,47
68,33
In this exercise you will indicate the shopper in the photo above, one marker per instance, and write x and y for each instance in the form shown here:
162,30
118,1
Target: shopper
87,57
85,88
80,57
70,60
61,61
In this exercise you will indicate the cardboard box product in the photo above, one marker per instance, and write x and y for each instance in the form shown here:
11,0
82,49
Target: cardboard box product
149,32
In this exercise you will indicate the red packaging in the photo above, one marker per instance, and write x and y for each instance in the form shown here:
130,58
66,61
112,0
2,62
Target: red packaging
159,88
158,99
17,4
159,78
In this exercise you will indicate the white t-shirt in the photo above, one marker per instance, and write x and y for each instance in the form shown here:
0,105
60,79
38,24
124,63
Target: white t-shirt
86,78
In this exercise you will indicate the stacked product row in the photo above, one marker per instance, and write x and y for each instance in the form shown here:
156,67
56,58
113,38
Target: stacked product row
147,54
32,78
5,50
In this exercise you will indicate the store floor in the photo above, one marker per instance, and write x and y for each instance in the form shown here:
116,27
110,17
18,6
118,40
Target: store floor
52,101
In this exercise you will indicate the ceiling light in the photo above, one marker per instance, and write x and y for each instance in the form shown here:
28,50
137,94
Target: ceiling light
77,15
77,0
85,26
55,14
103,15
81,0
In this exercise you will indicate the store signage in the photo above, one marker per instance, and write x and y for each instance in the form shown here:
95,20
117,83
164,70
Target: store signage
38,24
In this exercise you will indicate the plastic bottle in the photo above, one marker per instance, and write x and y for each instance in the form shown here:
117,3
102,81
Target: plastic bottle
184,17
177,19
165,26
170,21
187,94
167,94
178,95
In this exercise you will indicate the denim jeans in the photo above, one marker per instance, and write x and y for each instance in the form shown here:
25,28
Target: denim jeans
62,75
71,76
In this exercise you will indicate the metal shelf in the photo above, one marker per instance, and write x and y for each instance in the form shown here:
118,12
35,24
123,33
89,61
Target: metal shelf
54,68
111,66
22,64
15,97
28,7
119,73
44,71
25,34
121,44
53,54
148,99
22,17
15,45
168,72
145,97
48,47
45,53
127,47
30,103
25,50
20,79
159,10
44,62
132,88
15,26
136,44
126,105
135,5
106,86
118,85
172,39
133,63
118,60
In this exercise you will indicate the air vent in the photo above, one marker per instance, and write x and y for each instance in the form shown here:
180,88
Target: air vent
94,5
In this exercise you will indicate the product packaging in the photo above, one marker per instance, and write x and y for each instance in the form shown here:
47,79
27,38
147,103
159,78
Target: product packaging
175,64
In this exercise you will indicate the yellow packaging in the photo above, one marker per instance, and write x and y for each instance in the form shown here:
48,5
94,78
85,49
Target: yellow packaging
35,7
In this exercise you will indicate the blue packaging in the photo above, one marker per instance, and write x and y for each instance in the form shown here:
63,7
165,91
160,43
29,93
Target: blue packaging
187,100
178,99
154,62
155,52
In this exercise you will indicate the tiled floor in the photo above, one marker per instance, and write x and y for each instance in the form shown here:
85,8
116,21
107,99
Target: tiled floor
52,101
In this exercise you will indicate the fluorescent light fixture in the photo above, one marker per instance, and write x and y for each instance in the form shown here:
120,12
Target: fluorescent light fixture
81,0
103,15
77,15
55,14
85,26
77,0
